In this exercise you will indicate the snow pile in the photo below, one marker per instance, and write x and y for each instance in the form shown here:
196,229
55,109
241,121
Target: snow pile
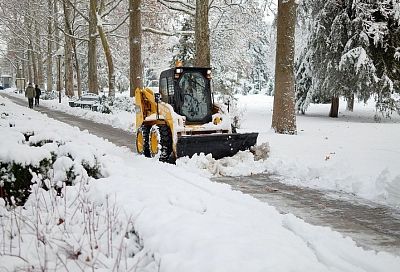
147,216
244,163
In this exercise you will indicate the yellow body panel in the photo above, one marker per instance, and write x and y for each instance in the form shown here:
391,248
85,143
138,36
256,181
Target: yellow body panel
153,142
146,107
140,143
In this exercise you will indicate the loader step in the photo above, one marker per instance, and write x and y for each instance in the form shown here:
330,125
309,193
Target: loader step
219,145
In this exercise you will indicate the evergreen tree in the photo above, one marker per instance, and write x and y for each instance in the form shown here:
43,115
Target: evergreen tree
351,52
185,49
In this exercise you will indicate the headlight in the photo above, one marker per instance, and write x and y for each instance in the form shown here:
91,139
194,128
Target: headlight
217,120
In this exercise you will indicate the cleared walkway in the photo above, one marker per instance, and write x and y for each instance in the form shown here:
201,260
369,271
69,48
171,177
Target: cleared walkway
370,225
117,136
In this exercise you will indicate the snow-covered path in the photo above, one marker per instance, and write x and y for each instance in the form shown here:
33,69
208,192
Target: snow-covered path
370,225
115,135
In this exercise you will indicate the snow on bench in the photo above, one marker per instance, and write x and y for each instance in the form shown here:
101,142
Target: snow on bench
91,101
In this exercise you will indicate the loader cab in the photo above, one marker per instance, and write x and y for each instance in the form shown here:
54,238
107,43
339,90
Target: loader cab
188,91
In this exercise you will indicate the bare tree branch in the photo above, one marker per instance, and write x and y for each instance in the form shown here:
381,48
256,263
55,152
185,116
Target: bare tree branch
166,33
179,5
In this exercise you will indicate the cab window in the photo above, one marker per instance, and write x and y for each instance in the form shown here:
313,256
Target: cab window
164,90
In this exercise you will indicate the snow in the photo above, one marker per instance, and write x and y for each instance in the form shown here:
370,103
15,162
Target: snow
353,153
148,216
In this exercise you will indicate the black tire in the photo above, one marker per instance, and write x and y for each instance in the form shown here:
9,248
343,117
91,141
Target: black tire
165,142
144,132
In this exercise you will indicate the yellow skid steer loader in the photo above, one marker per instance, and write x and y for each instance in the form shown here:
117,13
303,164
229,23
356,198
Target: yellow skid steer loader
182,120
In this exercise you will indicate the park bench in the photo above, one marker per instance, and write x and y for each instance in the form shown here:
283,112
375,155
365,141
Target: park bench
87,101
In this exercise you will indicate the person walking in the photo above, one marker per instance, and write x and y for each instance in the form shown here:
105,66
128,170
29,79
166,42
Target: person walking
30,93
37,95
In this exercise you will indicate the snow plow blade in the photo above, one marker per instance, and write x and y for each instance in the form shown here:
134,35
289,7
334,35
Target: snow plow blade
219,145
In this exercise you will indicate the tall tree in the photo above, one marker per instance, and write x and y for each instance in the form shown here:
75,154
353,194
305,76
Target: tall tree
108,54
57,39
49,55
92,48
202,34
135,45
202,30
68,51
39,58
284,118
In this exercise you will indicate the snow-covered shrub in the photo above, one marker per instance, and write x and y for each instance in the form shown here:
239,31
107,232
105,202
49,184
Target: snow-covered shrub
106,104
115,104
49,95
92,169
52,161
68,232
16,180
235,112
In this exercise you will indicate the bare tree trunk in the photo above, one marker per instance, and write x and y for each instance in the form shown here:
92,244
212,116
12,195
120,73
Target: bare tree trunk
68,66
350,103
24,65
34,65
108,54
57,41
92,53
334,111
135,46
284,118
49,61
40,76
32,71
110,63
202,34
29,65
77,69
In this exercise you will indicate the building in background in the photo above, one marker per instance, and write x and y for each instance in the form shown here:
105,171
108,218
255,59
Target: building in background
6,81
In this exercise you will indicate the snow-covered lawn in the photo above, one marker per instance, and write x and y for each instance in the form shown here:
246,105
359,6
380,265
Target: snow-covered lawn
352,153
142,215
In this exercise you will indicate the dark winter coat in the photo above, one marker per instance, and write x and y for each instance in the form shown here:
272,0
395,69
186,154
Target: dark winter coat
38,92
30,92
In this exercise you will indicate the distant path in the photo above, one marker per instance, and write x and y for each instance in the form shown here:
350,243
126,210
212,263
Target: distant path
117,136
370,225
